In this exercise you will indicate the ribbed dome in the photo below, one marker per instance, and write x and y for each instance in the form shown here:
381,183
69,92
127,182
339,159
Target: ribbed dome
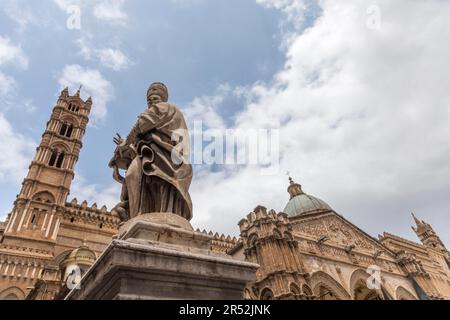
82,255
302,203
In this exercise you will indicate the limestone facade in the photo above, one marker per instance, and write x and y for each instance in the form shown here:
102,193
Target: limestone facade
311,252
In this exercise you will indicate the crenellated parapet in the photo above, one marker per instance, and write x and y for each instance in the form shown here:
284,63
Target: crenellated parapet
76,212
24,251
220,243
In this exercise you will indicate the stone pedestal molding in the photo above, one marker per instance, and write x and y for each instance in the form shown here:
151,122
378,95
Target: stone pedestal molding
160,256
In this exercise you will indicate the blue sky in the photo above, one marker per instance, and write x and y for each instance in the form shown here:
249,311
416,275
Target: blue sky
193,48
361,100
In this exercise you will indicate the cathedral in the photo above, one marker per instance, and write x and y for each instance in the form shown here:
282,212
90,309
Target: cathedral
306,252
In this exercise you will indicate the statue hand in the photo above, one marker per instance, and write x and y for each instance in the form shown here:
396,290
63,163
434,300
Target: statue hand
121,210
118,140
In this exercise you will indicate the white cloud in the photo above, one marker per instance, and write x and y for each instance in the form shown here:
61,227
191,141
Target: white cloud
65,4
6,84
205,109
293,9
364,119
19,13
113,59
94,193
12,54
111,11
94,84
16,152
110,58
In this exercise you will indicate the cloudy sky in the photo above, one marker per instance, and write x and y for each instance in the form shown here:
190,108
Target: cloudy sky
359,91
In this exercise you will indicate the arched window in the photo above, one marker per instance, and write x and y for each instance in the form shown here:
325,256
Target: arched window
66,129
44,196
63,129
60,160
69,131
266,294
73,107
53,158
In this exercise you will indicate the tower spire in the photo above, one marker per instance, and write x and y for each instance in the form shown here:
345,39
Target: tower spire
417,221
79,90
38,209
427,235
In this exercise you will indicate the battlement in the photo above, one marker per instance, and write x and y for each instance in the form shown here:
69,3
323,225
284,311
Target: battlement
84,206
16,250
65,97
91,214
220,242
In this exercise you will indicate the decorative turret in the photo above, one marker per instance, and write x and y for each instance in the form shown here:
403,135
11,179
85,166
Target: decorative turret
428,236
294,189
265,235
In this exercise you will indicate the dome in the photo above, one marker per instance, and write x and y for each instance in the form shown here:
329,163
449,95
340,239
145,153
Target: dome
82,255
302,203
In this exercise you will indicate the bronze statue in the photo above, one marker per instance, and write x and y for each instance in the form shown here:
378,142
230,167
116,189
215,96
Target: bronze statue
158,175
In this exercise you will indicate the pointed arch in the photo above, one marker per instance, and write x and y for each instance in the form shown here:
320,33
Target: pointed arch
44,196
59,151
266,294
61,257
12,293
294,288
61,146
360,290
403,294
252,239
70,119
326,287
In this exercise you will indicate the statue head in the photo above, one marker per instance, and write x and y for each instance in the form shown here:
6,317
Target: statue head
157,93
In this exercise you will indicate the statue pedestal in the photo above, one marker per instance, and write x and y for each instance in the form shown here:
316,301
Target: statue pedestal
160,256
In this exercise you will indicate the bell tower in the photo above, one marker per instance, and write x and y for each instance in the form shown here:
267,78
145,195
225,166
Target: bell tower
36,216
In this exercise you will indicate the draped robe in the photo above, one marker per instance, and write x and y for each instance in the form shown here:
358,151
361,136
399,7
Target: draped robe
154,182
